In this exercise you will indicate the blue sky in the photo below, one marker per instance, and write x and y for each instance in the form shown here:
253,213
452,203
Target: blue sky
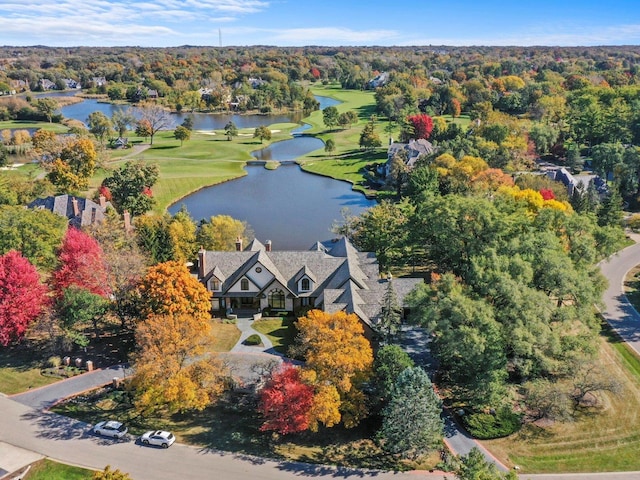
164,23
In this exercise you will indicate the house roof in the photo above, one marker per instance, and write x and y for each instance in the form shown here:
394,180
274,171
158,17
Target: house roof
343,278
88,211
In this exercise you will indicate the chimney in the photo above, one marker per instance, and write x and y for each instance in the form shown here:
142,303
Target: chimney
76,209
238,244
127,221
202,267
103,201
267,245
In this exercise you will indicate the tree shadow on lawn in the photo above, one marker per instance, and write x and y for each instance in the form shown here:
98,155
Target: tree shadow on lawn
366,111
23,357
165,147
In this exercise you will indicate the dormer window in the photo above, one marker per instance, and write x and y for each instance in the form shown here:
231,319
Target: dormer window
244,284
215,284
305,285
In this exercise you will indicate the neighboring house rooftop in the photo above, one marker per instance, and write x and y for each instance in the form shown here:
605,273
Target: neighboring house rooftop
570,181
80,211
414,150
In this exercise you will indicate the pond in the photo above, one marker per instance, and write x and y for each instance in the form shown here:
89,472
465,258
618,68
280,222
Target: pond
288,206
201,121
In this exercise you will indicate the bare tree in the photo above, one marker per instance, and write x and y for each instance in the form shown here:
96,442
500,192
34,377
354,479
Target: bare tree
588,378
156,117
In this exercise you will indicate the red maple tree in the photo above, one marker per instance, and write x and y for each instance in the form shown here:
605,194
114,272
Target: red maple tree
105,192
547,194
285,402
81,265
22,296
422,125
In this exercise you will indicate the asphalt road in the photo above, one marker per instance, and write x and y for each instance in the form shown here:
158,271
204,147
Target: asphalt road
70,441
618,312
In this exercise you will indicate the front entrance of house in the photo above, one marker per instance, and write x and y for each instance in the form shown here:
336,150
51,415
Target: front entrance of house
242,305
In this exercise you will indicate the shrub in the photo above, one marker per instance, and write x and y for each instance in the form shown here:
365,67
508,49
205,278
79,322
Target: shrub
253,340
634,222
486,426
54,361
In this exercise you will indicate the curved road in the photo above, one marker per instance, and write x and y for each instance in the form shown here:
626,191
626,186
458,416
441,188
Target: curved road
24,424
618,312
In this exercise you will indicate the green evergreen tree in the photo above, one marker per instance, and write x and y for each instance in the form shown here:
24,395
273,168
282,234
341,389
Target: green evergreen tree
390,362
411,422
391,314
475,466
610,212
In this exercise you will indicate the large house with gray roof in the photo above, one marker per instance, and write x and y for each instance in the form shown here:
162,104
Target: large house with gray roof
411,152
331,276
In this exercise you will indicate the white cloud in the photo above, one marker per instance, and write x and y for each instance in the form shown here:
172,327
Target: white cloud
314,36
105,22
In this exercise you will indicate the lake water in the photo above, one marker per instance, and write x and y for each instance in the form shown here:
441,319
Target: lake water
201,121
288,206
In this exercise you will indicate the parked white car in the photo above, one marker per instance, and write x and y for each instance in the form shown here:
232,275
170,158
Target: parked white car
158,437
110,428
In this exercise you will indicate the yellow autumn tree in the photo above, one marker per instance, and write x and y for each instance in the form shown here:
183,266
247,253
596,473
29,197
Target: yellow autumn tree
172,367
533,200
182,231
490,180
340,357
169,289
221,233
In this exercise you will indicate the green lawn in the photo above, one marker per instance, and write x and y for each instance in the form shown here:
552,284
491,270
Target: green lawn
207,159
279,330
24,124
226,335
605,439
20,371
49,470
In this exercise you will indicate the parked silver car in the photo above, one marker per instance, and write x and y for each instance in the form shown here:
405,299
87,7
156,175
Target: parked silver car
159,438
111,428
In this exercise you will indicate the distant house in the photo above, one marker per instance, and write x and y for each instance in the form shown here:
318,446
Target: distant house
19,85
331,276
121,142
71,83
413,150
256,82
563,175
99,81
151,93
378,80
47,84
80,211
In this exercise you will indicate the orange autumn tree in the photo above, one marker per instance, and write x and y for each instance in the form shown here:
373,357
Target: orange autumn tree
172,368
338,361
169,289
